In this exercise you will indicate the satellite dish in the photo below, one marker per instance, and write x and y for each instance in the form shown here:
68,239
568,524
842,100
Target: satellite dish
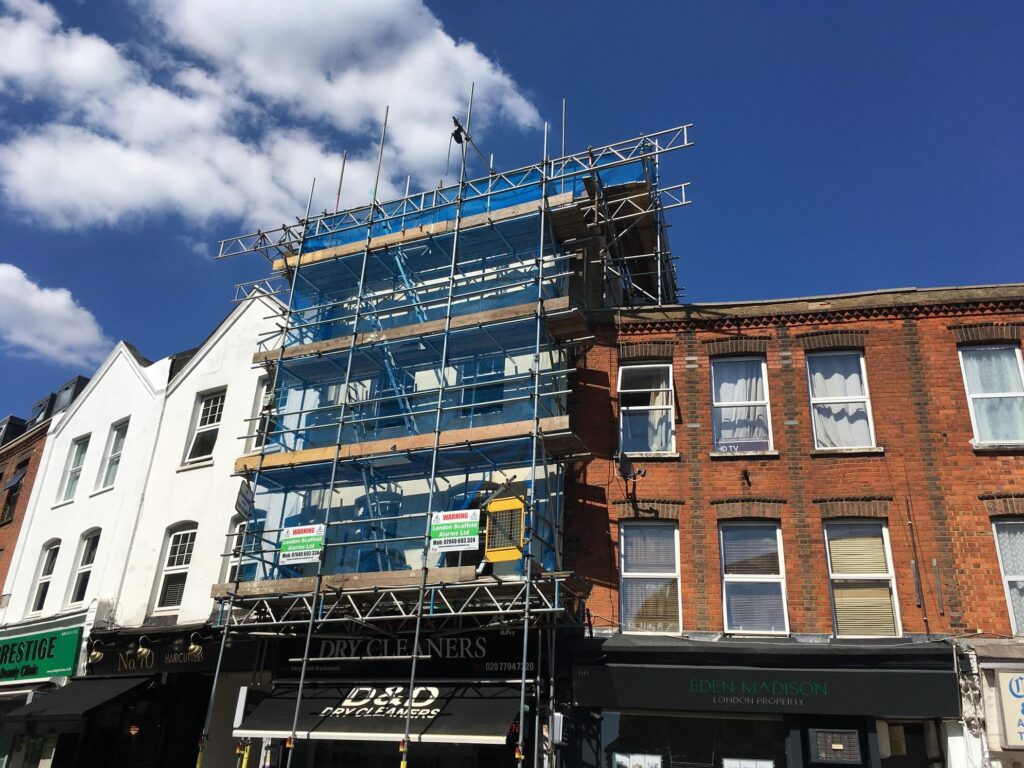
626,467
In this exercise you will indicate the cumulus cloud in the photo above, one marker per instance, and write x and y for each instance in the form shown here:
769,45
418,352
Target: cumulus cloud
243,103
47,323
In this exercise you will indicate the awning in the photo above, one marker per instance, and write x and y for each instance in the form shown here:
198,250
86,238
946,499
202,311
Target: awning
69,704
465,714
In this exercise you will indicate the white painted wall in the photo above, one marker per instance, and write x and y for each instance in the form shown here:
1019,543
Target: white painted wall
203,492
121,388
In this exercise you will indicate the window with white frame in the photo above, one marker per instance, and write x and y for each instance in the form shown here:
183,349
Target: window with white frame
244,550
73,468
1009,535
994,377
262,422
177,558
739,399
209,411
646,409
86,558
753,578
47,562
840,403
649,584
112,454
863,587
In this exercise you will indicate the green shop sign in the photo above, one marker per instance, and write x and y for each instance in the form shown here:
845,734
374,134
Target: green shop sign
47,654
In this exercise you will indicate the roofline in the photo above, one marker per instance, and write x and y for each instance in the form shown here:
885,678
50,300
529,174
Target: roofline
24,436
864,300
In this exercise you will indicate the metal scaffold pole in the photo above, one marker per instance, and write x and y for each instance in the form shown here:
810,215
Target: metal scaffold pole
531,509
226,614
432,484
318,586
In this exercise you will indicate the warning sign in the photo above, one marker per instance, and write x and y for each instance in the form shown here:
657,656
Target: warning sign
302,544
455,531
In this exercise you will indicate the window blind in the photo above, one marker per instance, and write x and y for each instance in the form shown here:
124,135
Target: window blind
864,608
650,605
648,549
857,548
754,607
750,550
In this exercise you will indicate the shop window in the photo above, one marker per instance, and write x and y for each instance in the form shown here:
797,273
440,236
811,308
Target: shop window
739,395
863,587
13,490
73,468
649,567
206,420
1009,536
177,558
840,403
753,579
86,557
112,454
646,409
47,562
994,378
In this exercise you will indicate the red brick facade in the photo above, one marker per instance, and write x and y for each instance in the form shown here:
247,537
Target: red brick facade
27,447
925,474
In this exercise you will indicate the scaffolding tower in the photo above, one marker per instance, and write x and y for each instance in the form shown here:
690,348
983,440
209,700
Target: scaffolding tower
427,349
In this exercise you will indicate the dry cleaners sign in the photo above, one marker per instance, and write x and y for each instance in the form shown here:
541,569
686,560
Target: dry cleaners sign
388,701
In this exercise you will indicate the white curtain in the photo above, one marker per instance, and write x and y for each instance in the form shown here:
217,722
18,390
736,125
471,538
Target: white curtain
649,429
741,426
840,423
990,372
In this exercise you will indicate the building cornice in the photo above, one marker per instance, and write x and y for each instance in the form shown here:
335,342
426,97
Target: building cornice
819,310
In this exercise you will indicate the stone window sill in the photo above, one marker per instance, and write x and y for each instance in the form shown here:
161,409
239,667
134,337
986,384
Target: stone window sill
744,454
875,451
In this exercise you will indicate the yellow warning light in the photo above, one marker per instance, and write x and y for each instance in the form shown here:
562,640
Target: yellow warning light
506,520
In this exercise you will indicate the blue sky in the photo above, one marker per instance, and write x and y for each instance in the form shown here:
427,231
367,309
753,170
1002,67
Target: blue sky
838,147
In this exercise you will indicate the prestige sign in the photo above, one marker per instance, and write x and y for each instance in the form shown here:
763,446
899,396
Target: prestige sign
42,655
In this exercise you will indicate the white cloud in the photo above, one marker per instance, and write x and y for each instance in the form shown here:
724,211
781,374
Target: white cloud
242,105
47,323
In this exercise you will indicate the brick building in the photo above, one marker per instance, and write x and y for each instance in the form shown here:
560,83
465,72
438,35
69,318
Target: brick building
21,447
812,484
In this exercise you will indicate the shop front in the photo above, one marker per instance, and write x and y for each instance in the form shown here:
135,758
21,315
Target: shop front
35,661
141,705
355,705
666,702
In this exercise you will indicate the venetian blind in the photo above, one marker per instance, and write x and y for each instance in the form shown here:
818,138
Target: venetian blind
750,550
856,548
864,608
650,605
648,548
